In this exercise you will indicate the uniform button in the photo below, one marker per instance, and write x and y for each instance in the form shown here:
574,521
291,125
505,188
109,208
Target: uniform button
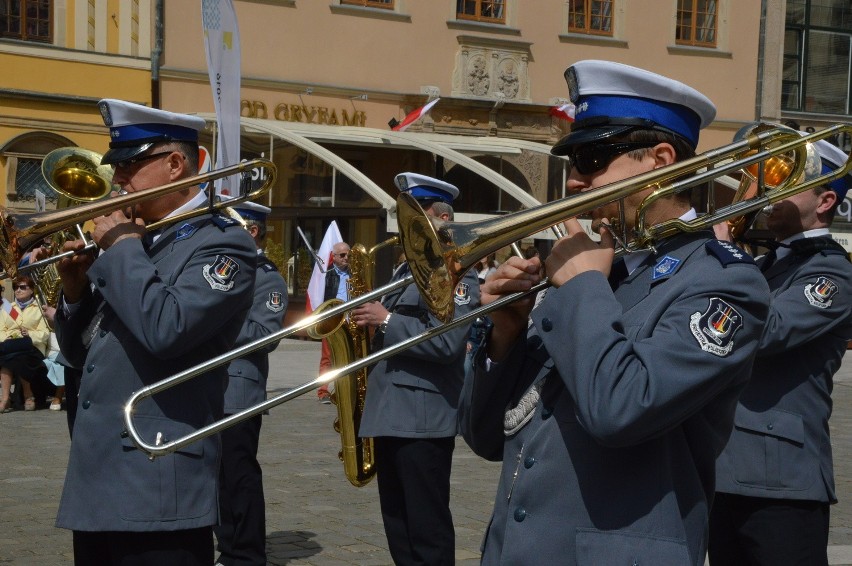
520,514
124,434
528,462
546,324
103,333
770,426
546,412
86,404
101,282
90,368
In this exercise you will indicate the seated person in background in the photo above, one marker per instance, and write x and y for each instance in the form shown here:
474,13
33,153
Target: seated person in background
25,336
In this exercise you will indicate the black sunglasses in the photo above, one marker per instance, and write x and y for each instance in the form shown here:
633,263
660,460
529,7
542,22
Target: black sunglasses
127,163
344,254
24,287
591,158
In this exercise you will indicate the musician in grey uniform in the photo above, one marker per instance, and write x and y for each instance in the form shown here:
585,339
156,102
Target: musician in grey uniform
411,403
150,305
609,410
775,478
241,533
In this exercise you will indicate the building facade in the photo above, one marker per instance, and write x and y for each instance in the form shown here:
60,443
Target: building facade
322,79
326,77
59,57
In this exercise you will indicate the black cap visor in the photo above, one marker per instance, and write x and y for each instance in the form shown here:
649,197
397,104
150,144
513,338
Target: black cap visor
119,154
587,135
600,128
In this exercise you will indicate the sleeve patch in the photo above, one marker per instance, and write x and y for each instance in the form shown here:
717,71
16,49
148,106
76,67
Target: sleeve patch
221,273
462,294
275,302
714,329
727,253
820,294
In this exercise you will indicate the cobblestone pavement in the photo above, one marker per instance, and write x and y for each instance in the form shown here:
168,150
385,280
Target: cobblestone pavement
314,517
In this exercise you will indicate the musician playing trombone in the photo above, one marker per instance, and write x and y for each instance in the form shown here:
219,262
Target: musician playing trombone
149,304
775,481
609,411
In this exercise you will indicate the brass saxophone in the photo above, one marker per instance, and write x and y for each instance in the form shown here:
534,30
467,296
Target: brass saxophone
349,343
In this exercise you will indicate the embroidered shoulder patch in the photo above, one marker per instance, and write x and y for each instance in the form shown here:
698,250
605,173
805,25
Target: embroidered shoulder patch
727,253
462,294
185,231
665,267
220,274
275,303
819,294
714,329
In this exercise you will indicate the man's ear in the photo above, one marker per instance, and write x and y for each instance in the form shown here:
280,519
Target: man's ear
176,162
663,154
827,200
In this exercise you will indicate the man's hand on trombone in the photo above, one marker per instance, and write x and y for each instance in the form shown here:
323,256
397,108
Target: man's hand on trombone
111,229
514,275
369,314
577,253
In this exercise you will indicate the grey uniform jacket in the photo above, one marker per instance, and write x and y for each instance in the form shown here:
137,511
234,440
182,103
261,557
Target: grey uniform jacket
247,376
153,313
415,393
780,447
610,459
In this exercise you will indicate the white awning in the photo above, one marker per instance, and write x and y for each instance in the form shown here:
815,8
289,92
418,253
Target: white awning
309,136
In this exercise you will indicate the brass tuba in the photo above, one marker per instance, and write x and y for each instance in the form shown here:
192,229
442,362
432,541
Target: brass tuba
348,343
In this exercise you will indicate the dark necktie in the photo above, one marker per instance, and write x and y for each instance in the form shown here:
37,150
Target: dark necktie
768,260
617,274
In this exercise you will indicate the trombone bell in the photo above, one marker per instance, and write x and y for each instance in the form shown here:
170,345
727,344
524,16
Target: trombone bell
77,174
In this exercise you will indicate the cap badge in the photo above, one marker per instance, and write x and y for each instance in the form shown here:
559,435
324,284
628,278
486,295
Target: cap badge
105,113
573,88
221,273
819,294
715,328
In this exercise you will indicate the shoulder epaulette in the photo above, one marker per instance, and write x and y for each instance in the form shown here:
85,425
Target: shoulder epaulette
727,253
223,221
823,245
265,264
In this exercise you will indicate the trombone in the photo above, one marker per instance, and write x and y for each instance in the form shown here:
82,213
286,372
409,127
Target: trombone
20,231
440,253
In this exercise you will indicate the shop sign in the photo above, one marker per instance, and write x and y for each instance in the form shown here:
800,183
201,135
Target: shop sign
303,113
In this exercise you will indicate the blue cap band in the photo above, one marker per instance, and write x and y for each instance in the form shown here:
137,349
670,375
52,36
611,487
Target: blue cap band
140,133
679,119
251,214
839,186
430,193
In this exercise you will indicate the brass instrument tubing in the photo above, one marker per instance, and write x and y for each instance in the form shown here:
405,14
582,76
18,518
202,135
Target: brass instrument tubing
168,447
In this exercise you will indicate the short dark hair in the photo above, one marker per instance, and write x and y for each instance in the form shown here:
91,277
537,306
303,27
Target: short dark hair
440,207
261,228
683,149
189,150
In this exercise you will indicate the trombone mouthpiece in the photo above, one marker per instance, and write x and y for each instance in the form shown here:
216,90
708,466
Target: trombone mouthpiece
122,192
767,210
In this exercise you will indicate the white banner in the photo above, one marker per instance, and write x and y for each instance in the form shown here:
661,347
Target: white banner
222,45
